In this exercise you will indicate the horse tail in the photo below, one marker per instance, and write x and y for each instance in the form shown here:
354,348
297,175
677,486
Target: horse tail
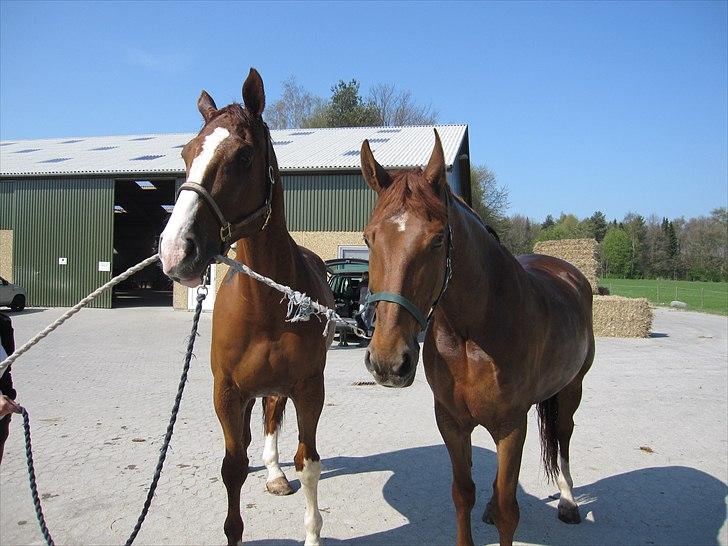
548,413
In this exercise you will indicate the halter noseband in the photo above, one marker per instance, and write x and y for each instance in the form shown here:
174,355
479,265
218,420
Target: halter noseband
232,231
399,299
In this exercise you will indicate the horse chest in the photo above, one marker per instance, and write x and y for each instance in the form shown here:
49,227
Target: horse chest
467,379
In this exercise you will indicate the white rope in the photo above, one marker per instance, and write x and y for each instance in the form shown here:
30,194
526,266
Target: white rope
5,364
300,306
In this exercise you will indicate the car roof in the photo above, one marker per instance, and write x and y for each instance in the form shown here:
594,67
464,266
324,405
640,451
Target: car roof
347,266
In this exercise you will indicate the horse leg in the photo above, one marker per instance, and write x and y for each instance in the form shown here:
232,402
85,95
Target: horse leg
309,400
568,400
273,407
232,410
503,506
457,440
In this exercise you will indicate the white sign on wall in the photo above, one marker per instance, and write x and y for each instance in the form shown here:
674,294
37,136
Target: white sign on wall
104,266
62,261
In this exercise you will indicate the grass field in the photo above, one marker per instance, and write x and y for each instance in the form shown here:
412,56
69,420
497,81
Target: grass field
711,297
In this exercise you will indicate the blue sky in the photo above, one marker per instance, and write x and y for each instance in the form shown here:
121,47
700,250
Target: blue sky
576,106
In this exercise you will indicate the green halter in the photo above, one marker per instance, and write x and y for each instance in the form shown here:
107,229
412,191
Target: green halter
399,299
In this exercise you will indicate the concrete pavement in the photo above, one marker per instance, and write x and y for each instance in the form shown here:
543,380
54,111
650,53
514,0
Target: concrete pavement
100,389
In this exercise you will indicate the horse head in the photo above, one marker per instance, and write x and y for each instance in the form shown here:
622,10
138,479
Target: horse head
227,194
408,239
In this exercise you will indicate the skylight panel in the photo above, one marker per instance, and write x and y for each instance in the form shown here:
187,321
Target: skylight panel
26,151
145,185
146,157
55,160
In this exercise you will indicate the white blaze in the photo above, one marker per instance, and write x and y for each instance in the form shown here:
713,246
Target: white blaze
400,220
172,250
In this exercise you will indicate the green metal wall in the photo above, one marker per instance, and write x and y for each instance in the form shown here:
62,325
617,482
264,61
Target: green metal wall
6,204
327,202
69,218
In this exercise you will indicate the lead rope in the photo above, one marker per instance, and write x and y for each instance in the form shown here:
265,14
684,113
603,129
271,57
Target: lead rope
201,295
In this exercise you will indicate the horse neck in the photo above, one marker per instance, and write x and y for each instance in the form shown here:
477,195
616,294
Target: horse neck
482,269
270,252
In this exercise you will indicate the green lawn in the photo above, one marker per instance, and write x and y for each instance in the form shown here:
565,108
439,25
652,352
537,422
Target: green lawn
711,297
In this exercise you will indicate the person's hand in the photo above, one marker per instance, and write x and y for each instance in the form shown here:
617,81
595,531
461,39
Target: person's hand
7,406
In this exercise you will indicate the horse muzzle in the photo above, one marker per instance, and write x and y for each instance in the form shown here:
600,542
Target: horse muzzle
396,370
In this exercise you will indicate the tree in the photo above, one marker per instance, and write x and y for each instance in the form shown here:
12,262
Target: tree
634,225
293,107
548,222
399,107
490,199
520,234
599,225
345,109
617,253
567,226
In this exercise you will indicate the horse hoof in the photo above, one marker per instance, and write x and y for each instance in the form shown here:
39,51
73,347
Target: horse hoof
569,513
279,487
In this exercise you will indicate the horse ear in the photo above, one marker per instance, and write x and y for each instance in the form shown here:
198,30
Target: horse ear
435,170
253,93
206,106
373,172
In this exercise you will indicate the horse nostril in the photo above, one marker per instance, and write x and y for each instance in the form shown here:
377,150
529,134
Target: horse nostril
190,247
405,367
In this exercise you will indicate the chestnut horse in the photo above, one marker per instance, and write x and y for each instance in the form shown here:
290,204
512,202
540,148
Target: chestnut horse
233,193
504,333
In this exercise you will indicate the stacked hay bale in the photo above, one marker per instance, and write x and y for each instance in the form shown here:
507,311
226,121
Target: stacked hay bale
581,253
614,316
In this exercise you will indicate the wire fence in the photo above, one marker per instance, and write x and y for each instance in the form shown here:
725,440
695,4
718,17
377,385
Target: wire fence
698,298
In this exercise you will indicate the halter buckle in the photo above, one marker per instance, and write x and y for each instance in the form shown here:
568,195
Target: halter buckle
226,232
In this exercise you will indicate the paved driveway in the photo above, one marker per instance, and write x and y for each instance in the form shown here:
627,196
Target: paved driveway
100,389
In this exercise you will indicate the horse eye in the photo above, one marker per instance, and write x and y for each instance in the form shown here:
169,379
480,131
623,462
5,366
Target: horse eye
438,240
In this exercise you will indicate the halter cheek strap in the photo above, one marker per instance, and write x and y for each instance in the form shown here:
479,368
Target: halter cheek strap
232,231
400,300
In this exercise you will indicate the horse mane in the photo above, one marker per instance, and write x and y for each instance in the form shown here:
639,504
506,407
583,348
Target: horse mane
409,191
239,115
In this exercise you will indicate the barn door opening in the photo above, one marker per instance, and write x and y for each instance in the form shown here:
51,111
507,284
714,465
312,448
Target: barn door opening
141,210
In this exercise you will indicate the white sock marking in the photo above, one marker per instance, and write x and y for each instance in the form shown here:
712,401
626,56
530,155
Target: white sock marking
565,482
312,520
400,220
270,457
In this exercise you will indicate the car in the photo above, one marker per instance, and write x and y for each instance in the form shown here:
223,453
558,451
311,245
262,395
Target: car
345,280
12,295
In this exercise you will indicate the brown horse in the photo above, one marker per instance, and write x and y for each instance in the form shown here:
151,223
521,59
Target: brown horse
504,333
232,174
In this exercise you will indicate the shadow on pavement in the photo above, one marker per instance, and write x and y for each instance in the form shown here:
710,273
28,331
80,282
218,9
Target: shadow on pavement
661,505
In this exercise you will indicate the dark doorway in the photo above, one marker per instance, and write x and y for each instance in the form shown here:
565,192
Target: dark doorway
141,210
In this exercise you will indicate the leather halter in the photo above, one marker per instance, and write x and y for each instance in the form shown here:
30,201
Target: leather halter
245,226
399,299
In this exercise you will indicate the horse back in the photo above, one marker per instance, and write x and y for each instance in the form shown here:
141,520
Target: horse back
559,277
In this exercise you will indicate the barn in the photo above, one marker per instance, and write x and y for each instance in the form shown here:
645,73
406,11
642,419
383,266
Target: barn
76,211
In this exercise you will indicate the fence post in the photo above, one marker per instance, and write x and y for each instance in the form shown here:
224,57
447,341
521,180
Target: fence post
676,292
702,300
658,291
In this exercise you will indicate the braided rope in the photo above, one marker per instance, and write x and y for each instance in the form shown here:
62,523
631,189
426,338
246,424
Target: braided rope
304,304
5,364
31,477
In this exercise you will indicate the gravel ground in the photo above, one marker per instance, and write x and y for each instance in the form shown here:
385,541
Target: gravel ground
649,453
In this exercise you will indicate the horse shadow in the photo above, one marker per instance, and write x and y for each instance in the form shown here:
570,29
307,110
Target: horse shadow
659,505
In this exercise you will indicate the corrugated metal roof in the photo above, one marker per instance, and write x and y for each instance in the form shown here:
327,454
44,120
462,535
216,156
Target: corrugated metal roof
296,149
